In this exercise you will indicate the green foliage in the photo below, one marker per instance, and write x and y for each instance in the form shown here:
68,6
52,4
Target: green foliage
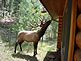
27,14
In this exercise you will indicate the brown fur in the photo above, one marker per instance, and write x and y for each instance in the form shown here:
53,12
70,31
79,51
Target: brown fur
29,36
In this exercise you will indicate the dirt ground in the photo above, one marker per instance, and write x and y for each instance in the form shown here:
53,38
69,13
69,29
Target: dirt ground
7,54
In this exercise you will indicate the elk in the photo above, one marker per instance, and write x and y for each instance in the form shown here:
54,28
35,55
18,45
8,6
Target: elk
32,36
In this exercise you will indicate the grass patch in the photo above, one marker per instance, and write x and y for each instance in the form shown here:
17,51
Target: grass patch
6,52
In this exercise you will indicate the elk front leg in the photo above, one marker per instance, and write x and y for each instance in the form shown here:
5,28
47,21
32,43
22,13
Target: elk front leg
20,45
35,48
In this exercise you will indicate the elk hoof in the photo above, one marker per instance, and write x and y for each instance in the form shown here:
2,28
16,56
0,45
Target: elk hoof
14,51
35,54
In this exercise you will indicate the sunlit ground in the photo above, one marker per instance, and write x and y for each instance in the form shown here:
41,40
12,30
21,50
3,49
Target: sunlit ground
7,54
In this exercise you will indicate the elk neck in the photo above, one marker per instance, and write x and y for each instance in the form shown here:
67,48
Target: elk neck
43,29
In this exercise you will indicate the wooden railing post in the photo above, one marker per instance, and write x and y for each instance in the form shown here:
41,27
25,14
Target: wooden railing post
59,40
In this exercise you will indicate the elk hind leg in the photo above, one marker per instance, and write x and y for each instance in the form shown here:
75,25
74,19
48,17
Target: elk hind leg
15,46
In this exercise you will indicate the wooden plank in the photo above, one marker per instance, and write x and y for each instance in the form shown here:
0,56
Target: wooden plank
66,30
53,8
72,30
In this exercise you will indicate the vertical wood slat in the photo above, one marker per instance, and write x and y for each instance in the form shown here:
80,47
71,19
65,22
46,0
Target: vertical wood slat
59,33
72,30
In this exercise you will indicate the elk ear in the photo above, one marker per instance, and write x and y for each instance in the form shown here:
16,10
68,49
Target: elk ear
41,23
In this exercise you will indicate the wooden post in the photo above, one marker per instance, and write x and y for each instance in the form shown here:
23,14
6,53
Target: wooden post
78,39
79,22
79,5
59,33
72,30
77,55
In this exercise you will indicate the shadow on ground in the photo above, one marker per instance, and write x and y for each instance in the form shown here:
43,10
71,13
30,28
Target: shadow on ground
26,57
